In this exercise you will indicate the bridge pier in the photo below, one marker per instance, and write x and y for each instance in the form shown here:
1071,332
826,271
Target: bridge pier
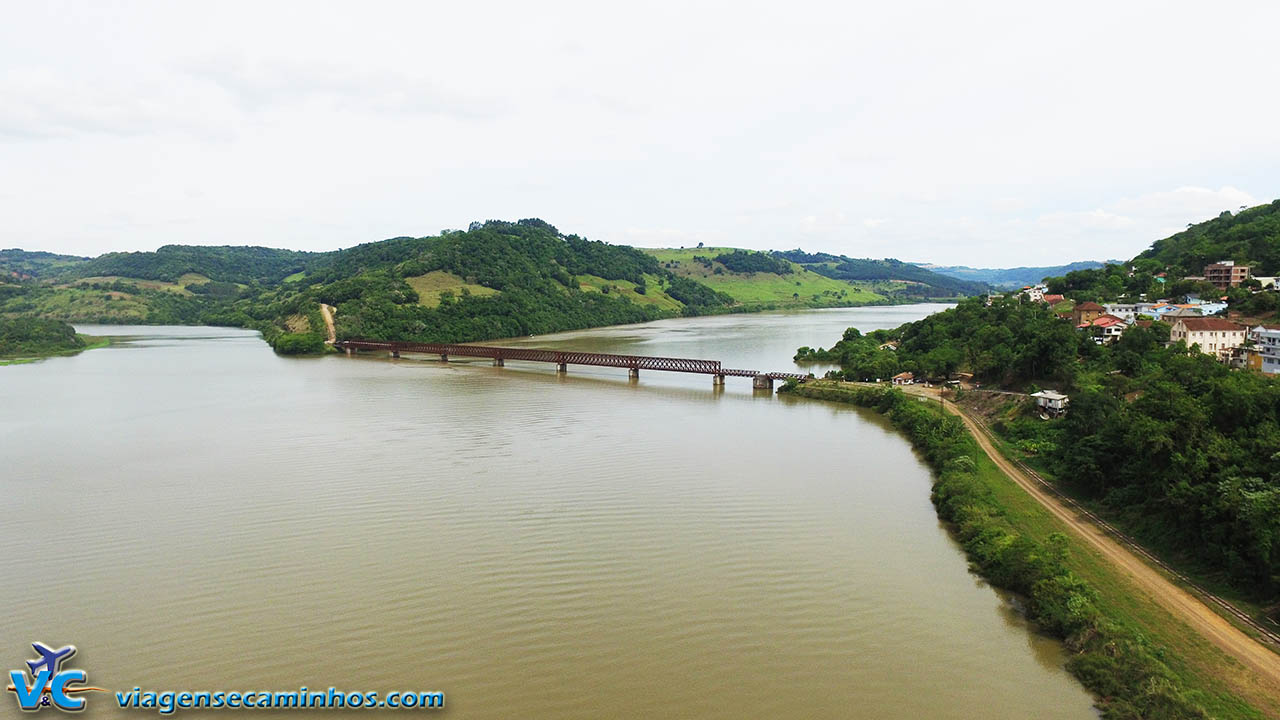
350,351
497,362
717,381
395,353
444,358
762,382
634,373
562,367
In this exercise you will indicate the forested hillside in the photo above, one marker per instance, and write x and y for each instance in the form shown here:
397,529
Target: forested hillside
497,279
31,337
916,282
1250,237
23,264
219,263
1182,449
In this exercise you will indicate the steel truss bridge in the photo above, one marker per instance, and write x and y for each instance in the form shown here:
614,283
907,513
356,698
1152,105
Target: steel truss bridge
564,358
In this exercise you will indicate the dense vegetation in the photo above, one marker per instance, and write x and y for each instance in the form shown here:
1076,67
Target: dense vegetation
1009,341
222,263
921,282
742,261
1110,658
1250,237
530,274
1178,446
33,337
16,262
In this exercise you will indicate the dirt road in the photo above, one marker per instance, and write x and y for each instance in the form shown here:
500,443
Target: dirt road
1176,600
327,312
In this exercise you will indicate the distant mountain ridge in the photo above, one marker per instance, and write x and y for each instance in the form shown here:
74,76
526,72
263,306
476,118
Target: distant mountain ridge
1009,278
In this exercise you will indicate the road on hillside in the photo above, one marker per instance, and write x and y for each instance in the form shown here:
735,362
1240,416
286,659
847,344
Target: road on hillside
327,312
1175,599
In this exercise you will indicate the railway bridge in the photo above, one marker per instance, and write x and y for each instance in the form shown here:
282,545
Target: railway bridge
564,358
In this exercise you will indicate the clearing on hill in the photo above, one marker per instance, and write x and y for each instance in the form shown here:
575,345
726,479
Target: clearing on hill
433,284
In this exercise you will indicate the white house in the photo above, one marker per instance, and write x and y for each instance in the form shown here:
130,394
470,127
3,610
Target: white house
1215,336
1125,311
1052,402
1265,353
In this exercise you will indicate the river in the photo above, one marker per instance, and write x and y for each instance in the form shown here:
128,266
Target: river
194,512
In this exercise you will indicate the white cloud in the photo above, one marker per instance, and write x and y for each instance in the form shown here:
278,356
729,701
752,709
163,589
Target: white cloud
38,102
931,131
264,83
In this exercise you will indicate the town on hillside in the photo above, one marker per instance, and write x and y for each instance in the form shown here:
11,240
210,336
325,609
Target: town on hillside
1200,320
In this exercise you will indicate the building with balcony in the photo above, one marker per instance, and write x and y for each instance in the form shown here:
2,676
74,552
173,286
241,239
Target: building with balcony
1226,273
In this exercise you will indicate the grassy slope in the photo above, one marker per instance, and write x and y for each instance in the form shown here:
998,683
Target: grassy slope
74,303
653,293
430,286
76,300
756,289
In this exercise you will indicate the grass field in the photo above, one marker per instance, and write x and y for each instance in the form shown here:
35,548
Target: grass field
179,287
83,305
801,288
433,284
653,293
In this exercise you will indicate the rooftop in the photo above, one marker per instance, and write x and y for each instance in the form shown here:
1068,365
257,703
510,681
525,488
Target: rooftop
1200,324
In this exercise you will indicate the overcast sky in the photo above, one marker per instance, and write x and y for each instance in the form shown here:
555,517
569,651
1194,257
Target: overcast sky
987,134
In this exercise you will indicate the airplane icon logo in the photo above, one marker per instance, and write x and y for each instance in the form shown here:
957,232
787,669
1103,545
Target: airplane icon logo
49,658
50,685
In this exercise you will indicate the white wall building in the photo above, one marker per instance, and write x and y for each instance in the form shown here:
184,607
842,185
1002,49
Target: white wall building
1126,312
1265,354
1214,335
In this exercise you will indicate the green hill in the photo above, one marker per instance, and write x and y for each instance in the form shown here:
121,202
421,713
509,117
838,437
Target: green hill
762,280
496,279
223,263
1250,237
895,278
22,264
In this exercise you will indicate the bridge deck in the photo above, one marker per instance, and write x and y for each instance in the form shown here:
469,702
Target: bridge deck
564,357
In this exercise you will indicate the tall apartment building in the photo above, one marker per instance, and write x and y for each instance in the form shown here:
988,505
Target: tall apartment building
1226,273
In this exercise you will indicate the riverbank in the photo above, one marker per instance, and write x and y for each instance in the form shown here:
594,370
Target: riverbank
91,342
992,410
1136,645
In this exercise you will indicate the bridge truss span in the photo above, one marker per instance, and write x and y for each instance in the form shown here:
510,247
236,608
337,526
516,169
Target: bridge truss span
564,358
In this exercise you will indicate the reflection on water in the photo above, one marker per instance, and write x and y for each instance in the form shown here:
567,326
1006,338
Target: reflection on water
532,544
